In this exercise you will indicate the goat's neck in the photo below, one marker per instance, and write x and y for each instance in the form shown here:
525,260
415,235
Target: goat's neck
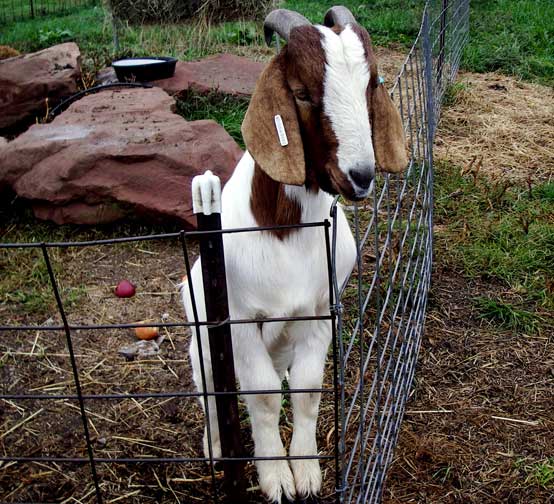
271,205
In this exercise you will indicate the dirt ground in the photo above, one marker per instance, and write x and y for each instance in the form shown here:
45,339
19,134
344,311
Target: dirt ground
481,412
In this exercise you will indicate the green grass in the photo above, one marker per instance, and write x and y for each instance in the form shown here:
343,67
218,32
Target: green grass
10,9
506,315
387,21
497,231
93,33
515,37
538,473
225,110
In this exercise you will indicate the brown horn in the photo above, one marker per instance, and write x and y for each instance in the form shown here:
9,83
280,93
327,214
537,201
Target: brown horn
282,21
338,15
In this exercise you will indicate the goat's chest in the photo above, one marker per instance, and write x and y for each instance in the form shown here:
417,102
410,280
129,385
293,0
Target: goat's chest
285,277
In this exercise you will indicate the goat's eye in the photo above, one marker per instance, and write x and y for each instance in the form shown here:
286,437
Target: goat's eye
302,95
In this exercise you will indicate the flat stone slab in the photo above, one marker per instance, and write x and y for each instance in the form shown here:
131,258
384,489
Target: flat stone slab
28,81
224,73
114,154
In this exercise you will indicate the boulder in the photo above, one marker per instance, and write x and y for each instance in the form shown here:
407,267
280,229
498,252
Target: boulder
116,153
27,81
224,73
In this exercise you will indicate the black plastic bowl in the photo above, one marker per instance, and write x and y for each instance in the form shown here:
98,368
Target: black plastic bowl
144,69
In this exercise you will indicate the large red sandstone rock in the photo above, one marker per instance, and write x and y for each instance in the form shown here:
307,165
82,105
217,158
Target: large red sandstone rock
116,153
27,81
224,73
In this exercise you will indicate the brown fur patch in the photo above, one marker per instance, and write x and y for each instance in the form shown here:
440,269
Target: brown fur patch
271,206
272,97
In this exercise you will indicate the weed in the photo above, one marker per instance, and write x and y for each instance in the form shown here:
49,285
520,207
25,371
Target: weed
443,474
453,92
538,473
542,473
56,36
506,315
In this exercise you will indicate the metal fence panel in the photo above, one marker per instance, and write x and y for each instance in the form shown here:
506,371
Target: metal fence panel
382,335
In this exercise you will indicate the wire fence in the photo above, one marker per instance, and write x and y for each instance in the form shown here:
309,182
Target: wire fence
377,319
382,310
19,10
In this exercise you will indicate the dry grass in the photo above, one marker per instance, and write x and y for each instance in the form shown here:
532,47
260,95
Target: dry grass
500,126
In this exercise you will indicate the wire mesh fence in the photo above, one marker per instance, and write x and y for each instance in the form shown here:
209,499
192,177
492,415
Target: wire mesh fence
377,319
19,10
383,305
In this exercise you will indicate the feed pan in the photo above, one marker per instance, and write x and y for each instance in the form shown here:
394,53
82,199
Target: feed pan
144,69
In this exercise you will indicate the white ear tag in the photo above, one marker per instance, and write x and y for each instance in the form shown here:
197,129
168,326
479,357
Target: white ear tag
283,140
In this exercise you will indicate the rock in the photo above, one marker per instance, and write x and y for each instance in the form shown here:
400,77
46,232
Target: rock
225,73
27,81
116,153
139,349
106,76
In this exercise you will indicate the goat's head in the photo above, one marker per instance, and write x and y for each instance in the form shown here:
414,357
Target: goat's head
339,120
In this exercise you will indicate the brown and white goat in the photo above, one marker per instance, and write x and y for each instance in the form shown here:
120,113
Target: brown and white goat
319,124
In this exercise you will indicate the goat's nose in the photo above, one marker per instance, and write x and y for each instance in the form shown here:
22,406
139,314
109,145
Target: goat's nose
362,177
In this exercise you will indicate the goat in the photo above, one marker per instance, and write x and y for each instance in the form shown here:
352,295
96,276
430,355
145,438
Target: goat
337,124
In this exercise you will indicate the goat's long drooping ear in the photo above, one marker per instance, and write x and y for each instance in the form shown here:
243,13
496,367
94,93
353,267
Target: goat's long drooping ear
270,128
387,130
280,156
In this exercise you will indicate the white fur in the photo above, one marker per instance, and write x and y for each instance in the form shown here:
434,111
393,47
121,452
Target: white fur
269,277
345,99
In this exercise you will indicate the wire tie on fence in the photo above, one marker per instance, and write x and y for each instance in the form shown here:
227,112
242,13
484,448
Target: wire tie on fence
336,309
219,324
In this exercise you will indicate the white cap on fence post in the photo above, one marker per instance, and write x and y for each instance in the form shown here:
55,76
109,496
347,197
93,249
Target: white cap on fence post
206,194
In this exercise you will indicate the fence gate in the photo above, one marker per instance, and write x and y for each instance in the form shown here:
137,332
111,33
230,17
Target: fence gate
377,319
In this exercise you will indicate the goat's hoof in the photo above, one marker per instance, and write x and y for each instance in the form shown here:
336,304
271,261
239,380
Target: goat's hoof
276,480
307,477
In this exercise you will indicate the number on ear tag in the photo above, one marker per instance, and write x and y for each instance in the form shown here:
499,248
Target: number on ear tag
283,140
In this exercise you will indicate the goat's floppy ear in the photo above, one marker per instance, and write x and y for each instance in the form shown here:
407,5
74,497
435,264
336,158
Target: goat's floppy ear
279,155
388,133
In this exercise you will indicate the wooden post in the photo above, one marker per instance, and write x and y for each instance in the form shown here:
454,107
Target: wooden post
206,191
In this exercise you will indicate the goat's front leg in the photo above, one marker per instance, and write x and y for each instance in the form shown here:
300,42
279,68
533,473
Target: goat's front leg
256,372
311,343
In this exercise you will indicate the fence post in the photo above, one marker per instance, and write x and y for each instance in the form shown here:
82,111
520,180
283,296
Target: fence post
206,194
442,45
429,85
